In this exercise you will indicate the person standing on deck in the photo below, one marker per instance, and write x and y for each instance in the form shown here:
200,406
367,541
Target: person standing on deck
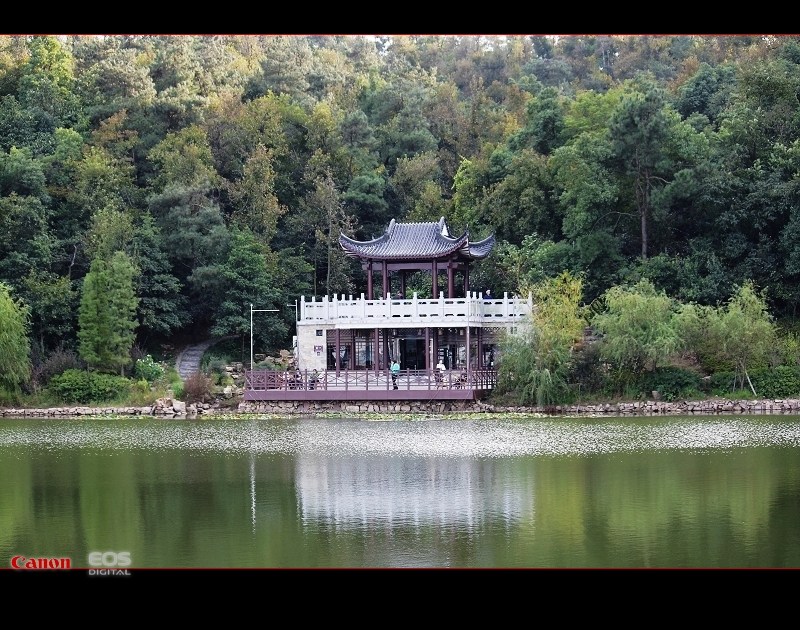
395,369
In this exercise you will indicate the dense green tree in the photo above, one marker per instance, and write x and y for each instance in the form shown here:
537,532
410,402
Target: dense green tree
184,158
253,196
324,217
247,280
25,243
415,185
47,85
544,128
162,303
364,200
639,138
15,348
106,316
523,203
54,303
117,80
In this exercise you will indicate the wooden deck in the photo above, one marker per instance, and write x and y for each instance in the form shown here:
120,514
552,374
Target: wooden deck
368,385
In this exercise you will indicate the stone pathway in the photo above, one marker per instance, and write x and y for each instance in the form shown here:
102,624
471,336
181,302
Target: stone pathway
188,360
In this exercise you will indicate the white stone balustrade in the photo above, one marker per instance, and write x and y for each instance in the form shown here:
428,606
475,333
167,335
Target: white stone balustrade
414,311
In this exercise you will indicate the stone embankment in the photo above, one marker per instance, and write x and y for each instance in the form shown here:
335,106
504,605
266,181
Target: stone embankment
659,408
641,408
163,407
168,408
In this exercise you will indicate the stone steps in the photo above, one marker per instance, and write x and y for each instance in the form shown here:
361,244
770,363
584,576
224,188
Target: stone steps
188,361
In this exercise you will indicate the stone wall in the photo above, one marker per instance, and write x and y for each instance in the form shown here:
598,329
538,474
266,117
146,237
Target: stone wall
174,408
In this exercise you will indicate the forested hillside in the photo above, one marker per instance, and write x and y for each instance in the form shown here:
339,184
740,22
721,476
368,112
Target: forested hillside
219,171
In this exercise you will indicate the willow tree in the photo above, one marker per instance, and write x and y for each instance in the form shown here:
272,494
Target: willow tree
535,366
747,333
638,328
15,348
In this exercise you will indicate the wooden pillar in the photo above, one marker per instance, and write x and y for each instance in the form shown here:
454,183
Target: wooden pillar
428,363
376,345
435,279
467,351
435,346
338,350
385,280
479,334
369,281
451,289
466,280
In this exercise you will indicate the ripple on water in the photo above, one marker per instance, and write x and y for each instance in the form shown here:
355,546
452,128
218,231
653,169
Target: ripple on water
479,438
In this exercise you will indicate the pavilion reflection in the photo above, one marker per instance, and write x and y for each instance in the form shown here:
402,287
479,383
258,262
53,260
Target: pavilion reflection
357,491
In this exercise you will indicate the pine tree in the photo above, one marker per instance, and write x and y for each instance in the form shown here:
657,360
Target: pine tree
122,303
93,316
107,315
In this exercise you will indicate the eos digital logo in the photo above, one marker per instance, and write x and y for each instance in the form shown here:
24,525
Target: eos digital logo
110,561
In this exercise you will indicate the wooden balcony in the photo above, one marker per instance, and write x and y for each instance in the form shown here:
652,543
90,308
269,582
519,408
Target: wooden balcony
368,385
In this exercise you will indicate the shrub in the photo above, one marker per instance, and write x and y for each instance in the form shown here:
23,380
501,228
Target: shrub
672,382
148,369
57,362
215,367
779,382
80,386
722,383
197,388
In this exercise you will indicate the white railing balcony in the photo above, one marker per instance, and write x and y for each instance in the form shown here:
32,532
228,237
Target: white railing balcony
414,312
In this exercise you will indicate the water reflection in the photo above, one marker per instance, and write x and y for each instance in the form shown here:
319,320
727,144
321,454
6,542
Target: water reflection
488,492
364,492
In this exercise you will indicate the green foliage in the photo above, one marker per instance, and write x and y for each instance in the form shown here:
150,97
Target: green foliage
671,382
247,280
787,349
779,382
699,327
537,365
57,362
15,347
162,306
83,387
148,369
748,333
177,390
107,314
637,328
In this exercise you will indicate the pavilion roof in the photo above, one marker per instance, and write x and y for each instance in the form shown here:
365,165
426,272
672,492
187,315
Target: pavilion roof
417,241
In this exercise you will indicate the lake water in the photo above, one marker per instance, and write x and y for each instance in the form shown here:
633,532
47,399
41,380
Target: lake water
678,492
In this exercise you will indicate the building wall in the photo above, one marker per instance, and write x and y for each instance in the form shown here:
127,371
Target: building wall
308,357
